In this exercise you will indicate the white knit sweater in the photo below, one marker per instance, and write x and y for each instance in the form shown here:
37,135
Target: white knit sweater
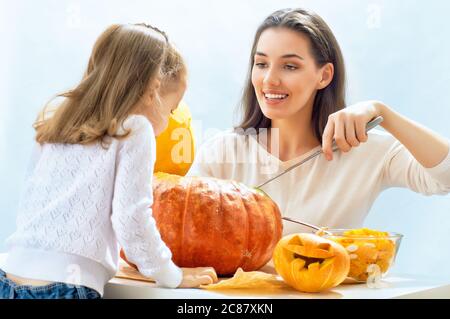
81,204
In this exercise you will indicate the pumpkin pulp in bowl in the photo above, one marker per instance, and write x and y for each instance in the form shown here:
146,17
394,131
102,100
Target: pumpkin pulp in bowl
371,252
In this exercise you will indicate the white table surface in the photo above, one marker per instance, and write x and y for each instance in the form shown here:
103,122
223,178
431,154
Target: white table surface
396,286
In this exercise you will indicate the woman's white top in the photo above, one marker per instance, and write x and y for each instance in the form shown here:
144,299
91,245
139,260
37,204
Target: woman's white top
337,194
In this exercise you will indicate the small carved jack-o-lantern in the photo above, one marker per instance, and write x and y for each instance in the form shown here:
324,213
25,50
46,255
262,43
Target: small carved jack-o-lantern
310,263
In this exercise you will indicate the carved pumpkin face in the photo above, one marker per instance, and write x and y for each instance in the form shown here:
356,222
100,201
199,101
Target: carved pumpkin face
311,263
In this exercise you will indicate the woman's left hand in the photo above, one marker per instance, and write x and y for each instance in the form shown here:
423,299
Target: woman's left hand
348,127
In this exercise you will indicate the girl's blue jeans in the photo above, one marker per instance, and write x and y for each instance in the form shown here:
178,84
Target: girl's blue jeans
57,290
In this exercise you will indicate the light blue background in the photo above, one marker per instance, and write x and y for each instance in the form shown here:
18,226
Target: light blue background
396,51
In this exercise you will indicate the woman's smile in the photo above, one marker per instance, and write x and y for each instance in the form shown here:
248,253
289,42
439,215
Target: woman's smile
274,97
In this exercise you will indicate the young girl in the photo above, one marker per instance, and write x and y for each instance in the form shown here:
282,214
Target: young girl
295,90
89,187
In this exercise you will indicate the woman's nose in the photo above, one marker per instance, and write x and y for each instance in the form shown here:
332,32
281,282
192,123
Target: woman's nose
271,78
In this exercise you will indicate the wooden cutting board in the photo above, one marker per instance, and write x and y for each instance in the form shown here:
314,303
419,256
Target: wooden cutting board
128,272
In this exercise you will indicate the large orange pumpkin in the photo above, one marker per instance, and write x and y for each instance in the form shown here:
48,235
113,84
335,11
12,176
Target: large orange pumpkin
311,263
208,222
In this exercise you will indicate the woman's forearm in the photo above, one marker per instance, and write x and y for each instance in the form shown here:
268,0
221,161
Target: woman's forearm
427,147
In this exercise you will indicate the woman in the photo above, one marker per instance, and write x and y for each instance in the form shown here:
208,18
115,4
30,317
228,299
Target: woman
293,105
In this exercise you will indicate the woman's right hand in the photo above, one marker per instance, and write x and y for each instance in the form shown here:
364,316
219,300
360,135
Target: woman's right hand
194,277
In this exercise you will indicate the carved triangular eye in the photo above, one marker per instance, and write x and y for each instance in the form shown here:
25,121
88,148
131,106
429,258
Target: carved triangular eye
324,246
296,249
296,240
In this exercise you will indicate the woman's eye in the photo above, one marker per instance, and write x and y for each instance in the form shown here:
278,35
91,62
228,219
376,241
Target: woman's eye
290,67
260,65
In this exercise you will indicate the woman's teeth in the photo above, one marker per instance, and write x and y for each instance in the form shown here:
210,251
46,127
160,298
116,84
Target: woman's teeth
275,96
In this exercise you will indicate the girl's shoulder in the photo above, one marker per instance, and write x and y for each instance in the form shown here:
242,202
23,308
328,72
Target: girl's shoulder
137,125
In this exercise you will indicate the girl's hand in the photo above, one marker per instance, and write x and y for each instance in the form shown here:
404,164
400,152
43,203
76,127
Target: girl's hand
194,277
348,127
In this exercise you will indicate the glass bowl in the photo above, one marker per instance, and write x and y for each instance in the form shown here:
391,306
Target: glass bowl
372,253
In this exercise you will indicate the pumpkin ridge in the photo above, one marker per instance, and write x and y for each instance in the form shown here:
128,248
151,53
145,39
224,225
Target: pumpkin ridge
274,239
247,227
219,208
258,251
183,219
276,214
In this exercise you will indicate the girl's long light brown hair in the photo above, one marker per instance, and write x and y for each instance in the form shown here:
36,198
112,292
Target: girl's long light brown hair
325,49
124,61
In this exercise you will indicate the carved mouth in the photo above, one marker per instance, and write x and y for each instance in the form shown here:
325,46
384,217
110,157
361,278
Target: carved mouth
310,260
320,256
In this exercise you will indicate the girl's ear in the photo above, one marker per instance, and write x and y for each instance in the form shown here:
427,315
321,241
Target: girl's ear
152,89
326,73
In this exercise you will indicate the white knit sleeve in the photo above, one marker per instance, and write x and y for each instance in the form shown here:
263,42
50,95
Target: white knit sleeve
401,169
133,223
